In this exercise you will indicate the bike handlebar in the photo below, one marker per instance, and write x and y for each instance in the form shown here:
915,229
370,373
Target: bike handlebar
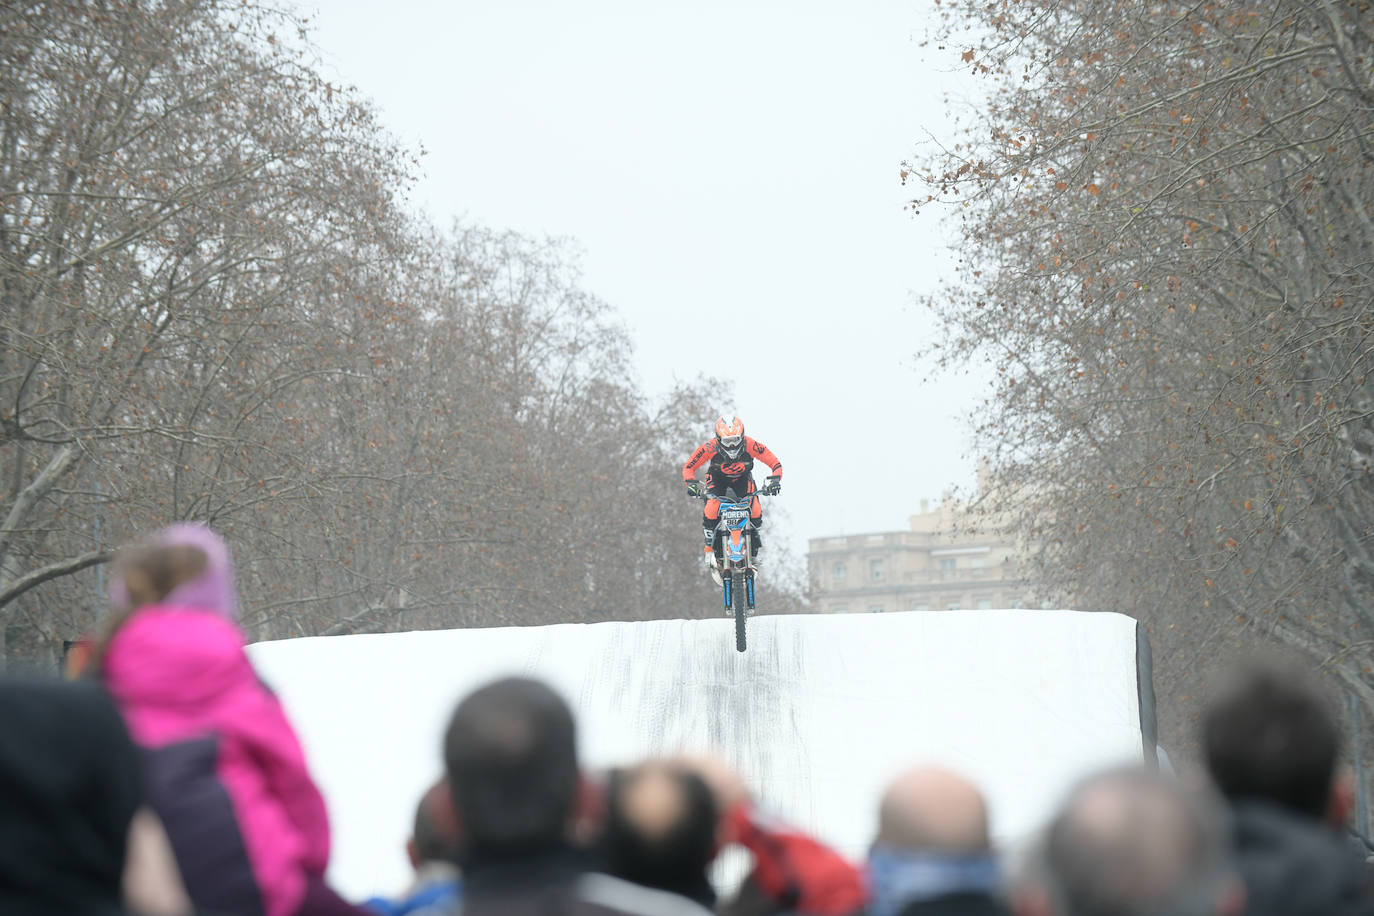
706,495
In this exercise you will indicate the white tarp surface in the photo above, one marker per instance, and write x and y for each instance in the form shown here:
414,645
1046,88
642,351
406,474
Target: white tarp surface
819,714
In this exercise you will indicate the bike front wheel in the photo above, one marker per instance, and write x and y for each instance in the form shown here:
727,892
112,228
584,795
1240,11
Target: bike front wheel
739,586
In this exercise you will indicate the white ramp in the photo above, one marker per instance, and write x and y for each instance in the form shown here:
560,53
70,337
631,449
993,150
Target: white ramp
818,714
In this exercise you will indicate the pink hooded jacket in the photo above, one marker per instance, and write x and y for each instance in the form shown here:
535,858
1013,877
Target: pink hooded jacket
179,673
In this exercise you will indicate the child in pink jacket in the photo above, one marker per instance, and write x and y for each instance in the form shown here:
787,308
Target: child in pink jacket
223,767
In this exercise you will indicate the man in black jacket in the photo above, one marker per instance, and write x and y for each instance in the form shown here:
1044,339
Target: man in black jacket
660,830
932,856
1271,743
511,761
69,791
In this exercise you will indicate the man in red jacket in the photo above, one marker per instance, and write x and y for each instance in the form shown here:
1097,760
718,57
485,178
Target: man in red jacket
793,872
729,460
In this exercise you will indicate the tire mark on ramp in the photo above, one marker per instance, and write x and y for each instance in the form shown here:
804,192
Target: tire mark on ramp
745,707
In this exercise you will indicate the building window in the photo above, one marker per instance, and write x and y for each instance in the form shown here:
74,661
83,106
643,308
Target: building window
947,567
952,606
875,570
840,609
984,604
840,572
920,606
876,609
1015,603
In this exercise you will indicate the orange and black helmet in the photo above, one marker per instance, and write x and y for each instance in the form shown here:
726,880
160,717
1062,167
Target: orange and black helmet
730,437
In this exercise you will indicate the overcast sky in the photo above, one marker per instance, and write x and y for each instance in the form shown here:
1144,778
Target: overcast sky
730,171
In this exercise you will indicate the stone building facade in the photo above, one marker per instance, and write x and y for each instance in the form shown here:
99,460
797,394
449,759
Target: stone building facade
943,562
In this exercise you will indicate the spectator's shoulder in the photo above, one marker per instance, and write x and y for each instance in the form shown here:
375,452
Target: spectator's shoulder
605,892
435,900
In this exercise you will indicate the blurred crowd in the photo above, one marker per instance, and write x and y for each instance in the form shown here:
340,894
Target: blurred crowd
164,779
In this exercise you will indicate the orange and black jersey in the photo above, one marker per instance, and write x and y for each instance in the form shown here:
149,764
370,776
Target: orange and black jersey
724,470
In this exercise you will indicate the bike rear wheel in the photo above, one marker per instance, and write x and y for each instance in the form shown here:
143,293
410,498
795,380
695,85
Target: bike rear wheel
741,609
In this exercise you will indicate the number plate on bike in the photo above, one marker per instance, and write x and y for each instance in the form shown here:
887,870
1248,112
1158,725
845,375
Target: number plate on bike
734,515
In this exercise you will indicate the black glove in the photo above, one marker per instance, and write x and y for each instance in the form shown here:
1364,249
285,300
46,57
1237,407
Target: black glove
773,487
693,488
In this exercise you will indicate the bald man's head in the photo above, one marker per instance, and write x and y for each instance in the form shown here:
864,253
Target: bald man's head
1131,841
933,810
654,800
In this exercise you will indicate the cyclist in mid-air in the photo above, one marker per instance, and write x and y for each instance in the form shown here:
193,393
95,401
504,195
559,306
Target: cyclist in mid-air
730,461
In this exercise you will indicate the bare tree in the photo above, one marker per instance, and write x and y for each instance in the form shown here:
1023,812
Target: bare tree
515,473
1166,252
214,309
184,203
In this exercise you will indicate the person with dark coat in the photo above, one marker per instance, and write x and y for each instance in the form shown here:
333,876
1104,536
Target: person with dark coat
1294,867
932,855
511,761
1271,742
69,789
660,830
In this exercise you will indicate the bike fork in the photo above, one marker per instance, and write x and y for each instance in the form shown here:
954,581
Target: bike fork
727,585
749,588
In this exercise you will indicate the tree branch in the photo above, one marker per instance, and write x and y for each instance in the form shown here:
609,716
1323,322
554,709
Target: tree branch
37,577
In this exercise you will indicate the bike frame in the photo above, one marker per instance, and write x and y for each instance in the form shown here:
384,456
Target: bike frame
737,548
736,556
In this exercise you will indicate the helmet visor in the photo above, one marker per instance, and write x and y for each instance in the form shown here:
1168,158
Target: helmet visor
731,444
